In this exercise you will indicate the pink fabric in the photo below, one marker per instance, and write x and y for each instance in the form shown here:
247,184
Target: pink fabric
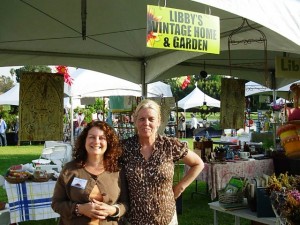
218,175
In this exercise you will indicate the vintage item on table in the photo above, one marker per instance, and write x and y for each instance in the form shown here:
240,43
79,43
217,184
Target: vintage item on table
234,192
19,173
263,203
15,177
41,161
220,153
290,140
257,199
40,176
204,149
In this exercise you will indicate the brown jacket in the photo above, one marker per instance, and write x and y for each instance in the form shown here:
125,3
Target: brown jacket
112,185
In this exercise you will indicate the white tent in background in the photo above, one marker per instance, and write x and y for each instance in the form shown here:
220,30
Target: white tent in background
91,84
196,98
11,97
252,88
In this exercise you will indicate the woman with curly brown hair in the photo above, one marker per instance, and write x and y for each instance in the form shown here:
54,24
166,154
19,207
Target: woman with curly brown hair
91,189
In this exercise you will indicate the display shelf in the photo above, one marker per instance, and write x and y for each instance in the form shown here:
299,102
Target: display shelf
171,129
124,125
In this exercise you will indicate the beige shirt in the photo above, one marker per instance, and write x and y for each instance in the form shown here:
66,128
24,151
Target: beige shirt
66,195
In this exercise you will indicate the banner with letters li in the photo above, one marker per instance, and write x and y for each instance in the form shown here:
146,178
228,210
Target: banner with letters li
169,28
287,67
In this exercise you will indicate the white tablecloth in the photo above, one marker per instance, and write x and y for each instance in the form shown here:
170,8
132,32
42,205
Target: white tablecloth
30,201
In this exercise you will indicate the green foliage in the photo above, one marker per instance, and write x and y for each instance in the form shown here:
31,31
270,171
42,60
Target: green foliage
89,110
6,83
210,86
18,72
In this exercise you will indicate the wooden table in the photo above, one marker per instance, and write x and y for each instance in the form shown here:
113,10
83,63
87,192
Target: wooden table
241,213
217,175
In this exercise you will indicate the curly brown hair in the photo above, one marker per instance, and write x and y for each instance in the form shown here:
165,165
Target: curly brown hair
111,155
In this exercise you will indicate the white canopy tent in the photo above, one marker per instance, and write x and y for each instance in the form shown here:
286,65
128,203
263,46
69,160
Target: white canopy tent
115,41
196,98
91,84
11,97
252,88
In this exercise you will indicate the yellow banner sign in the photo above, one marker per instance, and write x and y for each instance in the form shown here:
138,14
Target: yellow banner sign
287,67
169,28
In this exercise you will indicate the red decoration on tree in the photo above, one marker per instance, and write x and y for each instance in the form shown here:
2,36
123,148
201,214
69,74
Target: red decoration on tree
186,82
64,71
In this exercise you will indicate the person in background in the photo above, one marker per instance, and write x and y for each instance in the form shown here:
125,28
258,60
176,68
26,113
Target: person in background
92,189
194,123
181,125
3,127
148,160
82,127
15,128
79,119
100,115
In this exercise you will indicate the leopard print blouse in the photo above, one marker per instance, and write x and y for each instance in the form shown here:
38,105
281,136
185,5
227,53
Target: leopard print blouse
150,182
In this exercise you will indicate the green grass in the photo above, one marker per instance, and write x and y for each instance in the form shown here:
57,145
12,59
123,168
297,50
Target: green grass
195,210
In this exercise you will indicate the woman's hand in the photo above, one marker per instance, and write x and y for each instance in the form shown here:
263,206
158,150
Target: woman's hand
96,210
177,189
104,209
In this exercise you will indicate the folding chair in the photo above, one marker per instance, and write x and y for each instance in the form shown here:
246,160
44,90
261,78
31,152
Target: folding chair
59,154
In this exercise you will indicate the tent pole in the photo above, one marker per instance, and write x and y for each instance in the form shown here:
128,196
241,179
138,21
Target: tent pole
185,125
144,86
275,122
72,124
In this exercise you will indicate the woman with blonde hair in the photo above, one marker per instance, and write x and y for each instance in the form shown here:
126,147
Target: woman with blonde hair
149,160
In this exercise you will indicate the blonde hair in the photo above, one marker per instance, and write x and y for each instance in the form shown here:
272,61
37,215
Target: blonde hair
147,104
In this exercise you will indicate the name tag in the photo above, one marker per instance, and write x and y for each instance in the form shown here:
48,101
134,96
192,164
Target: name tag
79,183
